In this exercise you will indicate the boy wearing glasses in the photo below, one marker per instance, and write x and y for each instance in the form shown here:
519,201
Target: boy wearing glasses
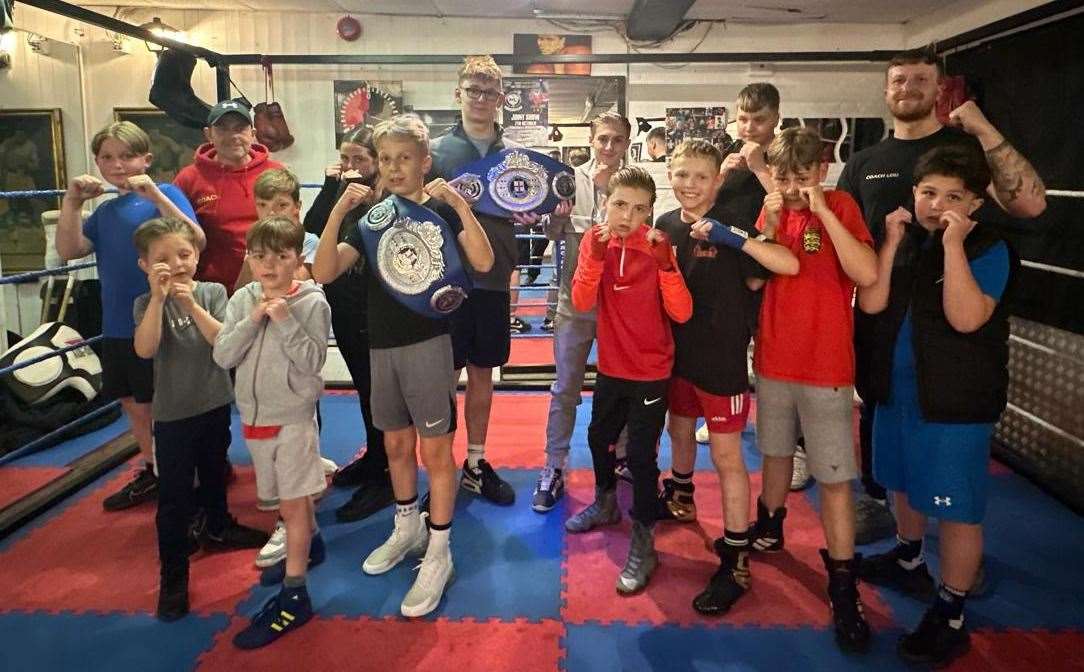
481,339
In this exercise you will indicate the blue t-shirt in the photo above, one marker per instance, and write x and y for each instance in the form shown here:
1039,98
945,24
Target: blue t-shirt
110,229
991,271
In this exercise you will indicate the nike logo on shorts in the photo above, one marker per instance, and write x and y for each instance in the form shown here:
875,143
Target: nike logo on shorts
618,288
648,402
431,425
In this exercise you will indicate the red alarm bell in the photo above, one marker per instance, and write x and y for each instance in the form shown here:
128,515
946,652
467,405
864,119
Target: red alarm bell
348,28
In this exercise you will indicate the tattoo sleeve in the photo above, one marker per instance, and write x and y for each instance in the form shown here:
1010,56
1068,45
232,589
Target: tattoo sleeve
1013,175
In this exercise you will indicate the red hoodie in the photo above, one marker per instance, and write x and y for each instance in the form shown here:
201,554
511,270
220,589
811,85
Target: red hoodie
636,302
225,207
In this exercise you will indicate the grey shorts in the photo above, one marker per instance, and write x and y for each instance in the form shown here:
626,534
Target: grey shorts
288,465
414,385
823,415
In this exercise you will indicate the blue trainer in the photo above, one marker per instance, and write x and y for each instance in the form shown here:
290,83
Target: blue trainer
274,575
287,611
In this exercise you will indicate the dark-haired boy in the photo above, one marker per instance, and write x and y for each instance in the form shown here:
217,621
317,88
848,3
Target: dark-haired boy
941,354
628,269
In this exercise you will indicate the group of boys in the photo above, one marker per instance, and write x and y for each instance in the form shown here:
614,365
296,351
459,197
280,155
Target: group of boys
672,301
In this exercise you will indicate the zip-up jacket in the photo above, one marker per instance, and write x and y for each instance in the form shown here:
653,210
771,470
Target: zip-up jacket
636,302
278,363
225,207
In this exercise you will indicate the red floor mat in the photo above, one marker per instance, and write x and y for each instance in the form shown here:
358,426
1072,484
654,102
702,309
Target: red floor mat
395,644
87,559
18,482
517,431
531,352
788,588
1023,650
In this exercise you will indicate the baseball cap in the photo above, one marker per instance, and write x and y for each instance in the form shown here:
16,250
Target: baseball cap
229,107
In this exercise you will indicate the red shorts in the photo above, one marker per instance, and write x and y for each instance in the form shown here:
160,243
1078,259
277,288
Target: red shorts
724,414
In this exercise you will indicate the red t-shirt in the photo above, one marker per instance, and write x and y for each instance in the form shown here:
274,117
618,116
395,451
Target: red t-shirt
806,327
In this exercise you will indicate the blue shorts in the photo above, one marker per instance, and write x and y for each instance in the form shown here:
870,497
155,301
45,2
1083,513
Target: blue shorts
942,468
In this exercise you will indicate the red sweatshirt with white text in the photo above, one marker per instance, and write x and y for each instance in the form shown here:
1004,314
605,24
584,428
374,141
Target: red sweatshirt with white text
636,302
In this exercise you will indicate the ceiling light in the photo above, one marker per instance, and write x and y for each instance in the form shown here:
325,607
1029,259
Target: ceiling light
572,16
162,30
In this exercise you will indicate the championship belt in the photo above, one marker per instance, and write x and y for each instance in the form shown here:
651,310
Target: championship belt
413,251
515,180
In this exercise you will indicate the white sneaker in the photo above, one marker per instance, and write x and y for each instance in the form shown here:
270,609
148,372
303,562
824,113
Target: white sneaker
800,478
702,435
407,538
434,574
329,466
275,548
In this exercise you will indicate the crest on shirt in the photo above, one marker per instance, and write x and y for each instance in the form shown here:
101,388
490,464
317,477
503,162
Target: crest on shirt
811,240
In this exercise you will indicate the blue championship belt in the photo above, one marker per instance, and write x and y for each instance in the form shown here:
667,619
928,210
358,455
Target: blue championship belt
515,180
413,252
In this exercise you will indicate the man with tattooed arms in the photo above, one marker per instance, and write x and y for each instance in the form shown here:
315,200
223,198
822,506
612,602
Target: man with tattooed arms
880,179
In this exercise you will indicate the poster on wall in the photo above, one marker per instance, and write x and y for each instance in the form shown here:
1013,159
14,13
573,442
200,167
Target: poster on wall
173,146
533,44
365,102
31,158
704,123
439,122
526,110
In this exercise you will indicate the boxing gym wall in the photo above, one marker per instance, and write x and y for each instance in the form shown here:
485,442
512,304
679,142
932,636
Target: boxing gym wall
1031,85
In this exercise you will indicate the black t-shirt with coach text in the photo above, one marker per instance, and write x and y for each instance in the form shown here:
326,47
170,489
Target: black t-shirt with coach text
391,324
881,177
710,349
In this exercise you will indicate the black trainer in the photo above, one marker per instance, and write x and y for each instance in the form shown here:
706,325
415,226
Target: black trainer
852,630
172,594
547,325
518,326
485,482
371,497
362,470
232,537
549,488
884,569
728,583
675,502
142,488
935,642
766,534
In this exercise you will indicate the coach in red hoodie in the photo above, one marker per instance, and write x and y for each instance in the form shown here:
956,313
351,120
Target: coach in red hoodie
629,270
219,186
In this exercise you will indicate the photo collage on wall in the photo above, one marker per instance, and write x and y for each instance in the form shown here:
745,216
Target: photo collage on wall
704,123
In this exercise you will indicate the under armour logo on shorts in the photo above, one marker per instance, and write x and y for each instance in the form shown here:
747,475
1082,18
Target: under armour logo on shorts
942,501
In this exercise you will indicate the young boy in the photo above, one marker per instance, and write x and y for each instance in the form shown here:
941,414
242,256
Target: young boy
942,354
178,322
412,365
275,333
710,379
278,193
122,154
804,362
629,270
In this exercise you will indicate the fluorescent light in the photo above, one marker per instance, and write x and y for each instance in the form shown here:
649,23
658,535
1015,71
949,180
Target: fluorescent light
543,14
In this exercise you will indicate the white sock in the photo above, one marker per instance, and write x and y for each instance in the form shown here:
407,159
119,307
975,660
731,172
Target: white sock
475,452
439,541
407,513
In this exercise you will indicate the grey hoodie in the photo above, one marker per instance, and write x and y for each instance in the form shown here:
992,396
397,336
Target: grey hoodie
278,363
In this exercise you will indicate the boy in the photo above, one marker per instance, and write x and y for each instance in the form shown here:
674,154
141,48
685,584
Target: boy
574,331
278,193
178,322
942,354
412,364
275,333
804,362
710,379
481,327
629,270
122,154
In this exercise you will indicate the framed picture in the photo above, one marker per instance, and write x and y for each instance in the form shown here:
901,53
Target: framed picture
533,44
364,102
31,158
635,151
439,122
173,146
575,155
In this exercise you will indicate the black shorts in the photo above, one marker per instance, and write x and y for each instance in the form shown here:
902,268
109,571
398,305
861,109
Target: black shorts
523,245
480,330
124,373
